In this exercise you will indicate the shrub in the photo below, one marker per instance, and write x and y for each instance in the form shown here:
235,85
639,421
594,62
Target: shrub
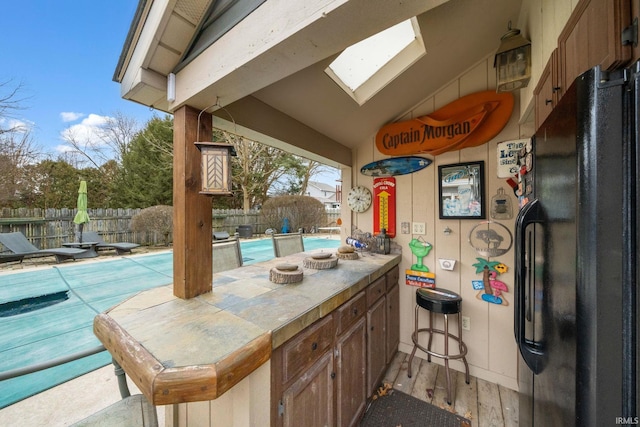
155,219
301,211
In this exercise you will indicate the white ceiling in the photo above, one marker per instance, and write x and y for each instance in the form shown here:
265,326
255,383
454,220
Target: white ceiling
456,34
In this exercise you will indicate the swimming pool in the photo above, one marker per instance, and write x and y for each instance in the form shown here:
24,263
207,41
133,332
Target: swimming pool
66,327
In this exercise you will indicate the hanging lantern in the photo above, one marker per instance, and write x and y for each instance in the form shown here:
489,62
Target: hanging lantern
383,242
512,62
215,167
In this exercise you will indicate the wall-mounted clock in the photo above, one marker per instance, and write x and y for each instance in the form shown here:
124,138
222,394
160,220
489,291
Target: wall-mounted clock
359,198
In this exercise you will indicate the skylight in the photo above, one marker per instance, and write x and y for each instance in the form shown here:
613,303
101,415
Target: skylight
367,66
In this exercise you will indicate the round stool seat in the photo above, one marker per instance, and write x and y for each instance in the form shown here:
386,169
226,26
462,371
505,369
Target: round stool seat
439,300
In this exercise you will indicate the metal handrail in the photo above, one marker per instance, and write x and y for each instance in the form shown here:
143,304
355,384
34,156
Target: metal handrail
18,372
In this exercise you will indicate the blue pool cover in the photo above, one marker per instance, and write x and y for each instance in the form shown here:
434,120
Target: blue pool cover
65,327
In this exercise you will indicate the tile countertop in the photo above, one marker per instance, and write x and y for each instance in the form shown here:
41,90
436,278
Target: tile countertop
179,350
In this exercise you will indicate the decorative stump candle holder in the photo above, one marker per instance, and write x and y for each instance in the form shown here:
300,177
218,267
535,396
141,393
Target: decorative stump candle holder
347,252
323,263
283,274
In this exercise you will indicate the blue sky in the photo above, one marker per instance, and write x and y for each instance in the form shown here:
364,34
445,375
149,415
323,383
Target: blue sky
64,54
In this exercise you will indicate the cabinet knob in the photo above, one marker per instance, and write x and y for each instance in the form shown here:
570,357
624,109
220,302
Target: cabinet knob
548,101
314,346
355,311
556,89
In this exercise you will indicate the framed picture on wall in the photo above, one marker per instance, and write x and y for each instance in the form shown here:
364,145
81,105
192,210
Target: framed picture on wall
461,188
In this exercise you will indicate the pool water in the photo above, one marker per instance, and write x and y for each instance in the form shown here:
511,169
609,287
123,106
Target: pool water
65,328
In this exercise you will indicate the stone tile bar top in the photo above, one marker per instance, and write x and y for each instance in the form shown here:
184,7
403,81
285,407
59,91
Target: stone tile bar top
179,350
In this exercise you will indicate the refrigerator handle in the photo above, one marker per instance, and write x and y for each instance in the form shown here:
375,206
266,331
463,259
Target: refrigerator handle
530,350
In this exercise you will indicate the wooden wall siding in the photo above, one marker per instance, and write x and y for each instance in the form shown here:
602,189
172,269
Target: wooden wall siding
492,350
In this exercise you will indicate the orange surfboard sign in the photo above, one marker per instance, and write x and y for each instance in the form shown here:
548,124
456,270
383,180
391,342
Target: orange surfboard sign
466,122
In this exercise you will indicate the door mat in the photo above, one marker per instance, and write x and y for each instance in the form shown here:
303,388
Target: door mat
397,409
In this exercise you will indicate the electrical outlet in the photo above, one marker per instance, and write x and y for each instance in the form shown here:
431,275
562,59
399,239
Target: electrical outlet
419,228
466,323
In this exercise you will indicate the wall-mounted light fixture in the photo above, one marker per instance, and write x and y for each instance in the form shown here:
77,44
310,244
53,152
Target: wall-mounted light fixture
215,167
171,87
512,61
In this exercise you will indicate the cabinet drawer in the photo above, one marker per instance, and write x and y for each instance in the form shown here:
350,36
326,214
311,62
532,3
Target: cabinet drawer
305,348
351,311
376,290
392,276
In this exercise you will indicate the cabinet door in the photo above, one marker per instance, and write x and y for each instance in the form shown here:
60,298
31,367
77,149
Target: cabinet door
592,36
545,92
309,400
393,322
351,366
376,343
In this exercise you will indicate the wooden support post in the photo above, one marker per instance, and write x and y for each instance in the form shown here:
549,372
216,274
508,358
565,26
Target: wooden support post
192,256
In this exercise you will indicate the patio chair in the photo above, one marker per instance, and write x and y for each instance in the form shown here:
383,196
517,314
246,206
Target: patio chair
18,248
120,247
287,244
226,255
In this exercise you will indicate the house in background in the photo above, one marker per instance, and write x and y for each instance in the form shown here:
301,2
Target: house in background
329,196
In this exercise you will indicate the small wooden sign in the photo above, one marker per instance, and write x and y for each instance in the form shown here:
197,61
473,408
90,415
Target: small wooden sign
466,122
384,205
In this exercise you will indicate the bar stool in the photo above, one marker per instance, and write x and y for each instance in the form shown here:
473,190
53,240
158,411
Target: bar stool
444,302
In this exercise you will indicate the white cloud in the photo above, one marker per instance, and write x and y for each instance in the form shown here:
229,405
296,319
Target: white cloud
68,116
15,124
88,132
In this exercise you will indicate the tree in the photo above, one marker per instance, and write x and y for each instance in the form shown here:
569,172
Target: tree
10,102
51,184
300,211
146,174
17,151
106,138
257,168
17,148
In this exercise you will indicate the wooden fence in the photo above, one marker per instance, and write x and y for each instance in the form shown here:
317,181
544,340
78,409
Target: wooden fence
50,228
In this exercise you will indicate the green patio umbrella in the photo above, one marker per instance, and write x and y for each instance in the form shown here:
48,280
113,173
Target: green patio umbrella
82,217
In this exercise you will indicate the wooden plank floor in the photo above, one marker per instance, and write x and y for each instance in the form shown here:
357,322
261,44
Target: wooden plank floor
484,403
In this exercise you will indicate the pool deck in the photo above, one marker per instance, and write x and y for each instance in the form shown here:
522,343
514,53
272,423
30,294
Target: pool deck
97,388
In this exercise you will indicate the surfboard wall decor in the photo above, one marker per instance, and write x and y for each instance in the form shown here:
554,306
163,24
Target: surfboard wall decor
466,122
395,166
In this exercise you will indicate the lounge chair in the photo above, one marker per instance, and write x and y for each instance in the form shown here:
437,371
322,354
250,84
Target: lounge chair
220,235
120,247
18,248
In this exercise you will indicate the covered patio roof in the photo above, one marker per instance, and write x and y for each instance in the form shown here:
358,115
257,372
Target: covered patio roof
261,69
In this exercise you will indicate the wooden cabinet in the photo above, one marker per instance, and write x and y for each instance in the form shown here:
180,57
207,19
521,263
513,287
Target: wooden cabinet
376,345
324,374
393,312
392,304
592,36
308,401
383,325
351,374
319,376
546,92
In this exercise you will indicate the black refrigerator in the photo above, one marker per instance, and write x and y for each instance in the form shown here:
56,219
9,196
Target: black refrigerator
576,320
